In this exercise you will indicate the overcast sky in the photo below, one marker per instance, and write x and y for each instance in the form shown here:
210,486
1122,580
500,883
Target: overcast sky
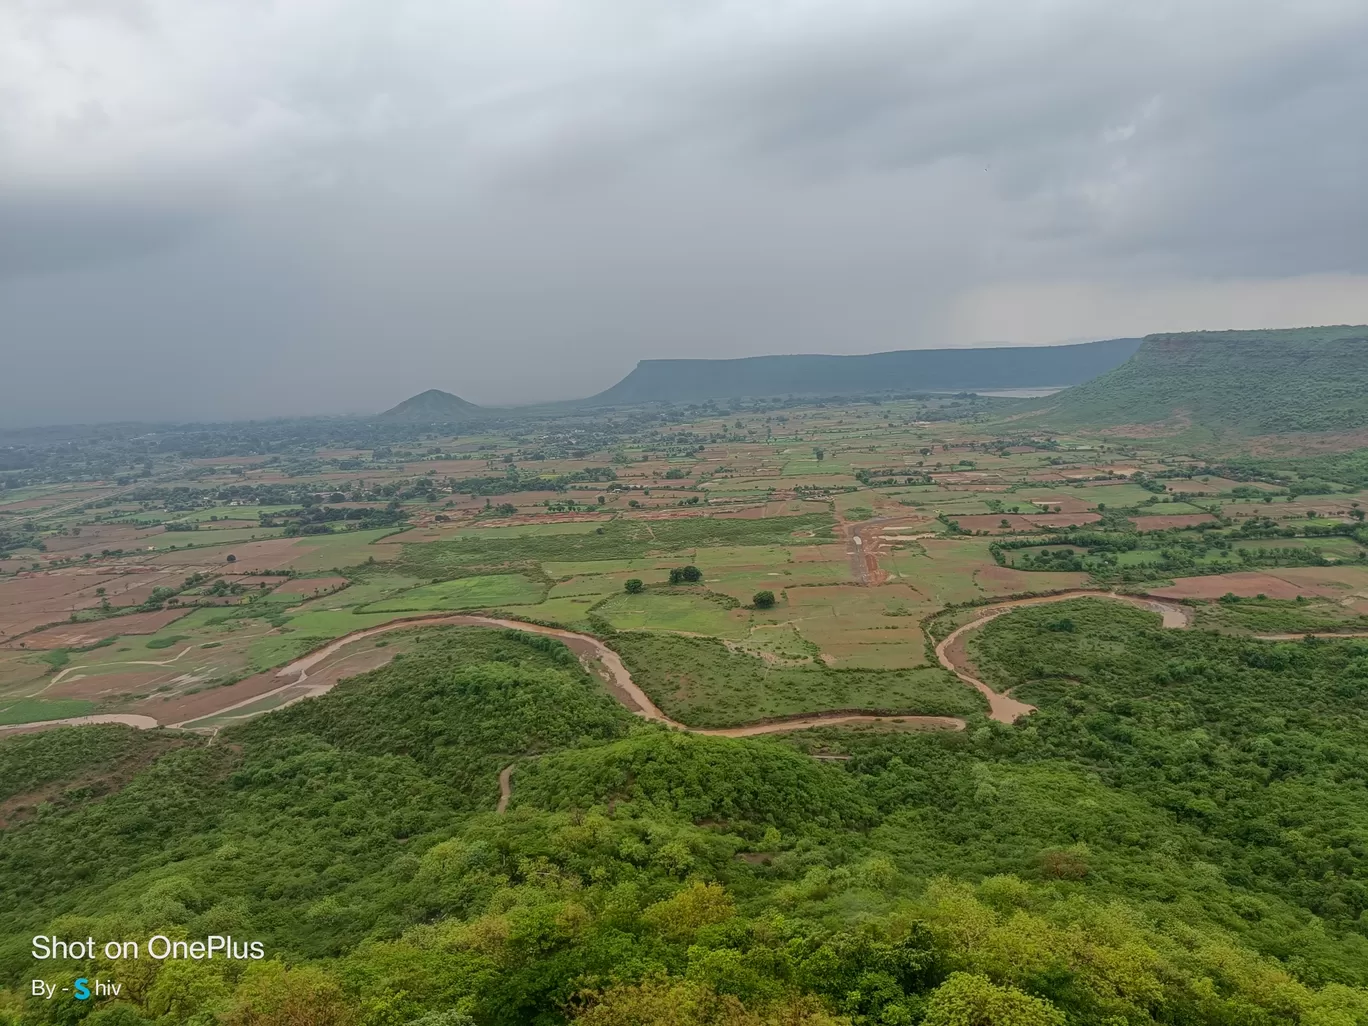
240,208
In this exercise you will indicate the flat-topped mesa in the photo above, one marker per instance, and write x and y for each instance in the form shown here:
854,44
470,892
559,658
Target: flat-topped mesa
1214,384
907,370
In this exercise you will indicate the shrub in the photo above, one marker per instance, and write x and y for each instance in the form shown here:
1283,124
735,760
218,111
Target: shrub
634,586
763,599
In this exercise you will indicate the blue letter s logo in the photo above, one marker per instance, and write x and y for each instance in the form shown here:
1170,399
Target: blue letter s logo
82,991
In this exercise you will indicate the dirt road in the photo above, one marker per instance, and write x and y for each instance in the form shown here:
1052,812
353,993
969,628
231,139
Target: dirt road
1005,708
864,540
128,720
505,789
607,665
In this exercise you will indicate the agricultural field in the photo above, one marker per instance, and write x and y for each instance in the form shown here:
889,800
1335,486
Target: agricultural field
862,522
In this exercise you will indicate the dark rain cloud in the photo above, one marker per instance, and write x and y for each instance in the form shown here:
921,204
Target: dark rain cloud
236,208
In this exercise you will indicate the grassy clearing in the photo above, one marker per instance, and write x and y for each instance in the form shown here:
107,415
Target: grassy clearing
674,611
334,623
529,530
167,641
369,588
229,513
560,569
620,540
466,593
278,649
203,538
780,641
699,681
348,548
570,611
1277,616
33,710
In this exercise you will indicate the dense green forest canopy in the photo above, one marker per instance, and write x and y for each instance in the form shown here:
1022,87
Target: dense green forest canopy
1179,834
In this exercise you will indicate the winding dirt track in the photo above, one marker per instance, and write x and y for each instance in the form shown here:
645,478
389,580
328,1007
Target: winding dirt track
607,665
1005,708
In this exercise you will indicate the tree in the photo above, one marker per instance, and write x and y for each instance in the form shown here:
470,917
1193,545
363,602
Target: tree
232,558
967,999
763,599
686,575
819,453
269,994
634,586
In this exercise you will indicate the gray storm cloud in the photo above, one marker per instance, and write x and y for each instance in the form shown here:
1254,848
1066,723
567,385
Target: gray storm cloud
241,208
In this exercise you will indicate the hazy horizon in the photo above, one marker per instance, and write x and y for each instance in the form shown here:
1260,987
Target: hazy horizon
510,406
233,211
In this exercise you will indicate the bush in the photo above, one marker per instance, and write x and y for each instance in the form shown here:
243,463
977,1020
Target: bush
763,600
634,586
686,575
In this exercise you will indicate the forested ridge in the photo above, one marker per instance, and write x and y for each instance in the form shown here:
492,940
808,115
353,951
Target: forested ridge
1178,835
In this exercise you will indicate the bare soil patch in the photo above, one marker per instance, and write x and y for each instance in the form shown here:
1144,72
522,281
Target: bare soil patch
183,708
110,687
1004,580
1062,519
1245,584
42,597
311,585
95,538
1330,581
252,556
78,635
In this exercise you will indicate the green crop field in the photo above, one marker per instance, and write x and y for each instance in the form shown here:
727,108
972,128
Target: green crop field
664,611
465,593
699,681
30,710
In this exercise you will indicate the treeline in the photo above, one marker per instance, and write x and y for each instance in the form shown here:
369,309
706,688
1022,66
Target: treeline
1205,549
890,477
12,538
516,480
320,519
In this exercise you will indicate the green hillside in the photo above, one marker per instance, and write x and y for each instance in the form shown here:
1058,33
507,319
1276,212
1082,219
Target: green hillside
1210,384
1180,840
432,407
